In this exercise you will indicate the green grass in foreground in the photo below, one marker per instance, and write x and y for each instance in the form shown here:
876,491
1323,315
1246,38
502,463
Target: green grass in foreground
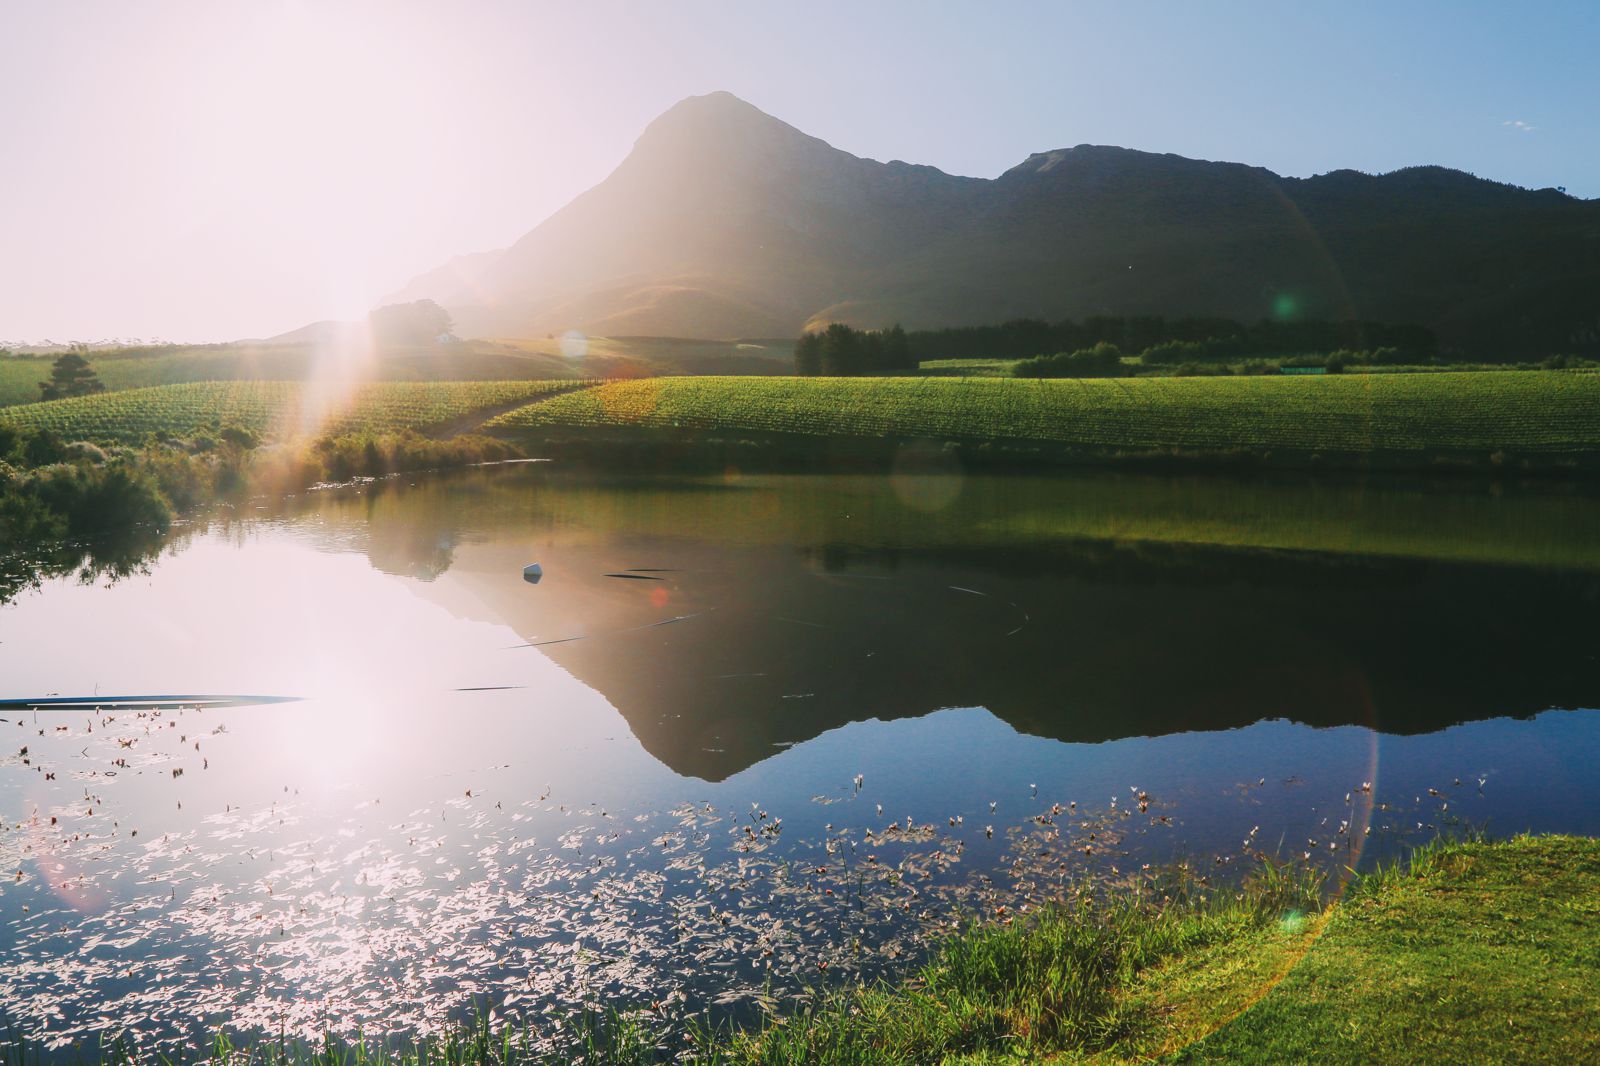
1472,952
279,409
1547,415
1477,953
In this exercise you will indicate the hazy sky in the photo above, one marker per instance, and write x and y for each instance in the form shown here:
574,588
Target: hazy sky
216,170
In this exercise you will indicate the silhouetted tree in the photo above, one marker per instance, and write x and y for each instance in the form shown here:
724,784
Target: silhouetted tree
842,353
842,350
418,322
897,350
808,355
70,375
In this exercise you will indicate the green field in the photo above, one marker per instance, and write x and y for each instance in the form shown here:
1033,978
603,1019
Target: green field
1543,416
273,409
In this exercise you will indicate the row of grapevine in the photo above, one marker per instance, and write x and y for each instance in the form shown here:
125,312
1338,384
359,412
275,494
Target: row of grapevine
273,409
1534,411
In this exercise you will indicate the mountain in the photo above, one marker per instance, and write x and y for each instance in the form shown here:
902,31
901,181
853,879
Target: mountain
726,222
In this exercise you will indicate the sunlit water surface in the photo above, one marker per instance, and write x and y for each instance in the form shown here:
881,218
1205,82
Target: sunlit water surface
747,736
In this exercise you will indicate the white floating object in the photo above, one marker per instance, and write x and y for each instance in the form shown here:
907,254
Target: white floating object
532,573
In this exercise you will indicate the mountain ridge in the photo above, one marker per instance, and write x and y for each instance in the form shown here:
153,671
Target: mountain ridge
724,221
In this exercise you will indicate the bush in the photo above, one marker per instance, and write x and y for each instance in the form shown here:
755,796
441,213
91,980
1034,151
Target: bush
362,455
184,480
1174,353
1104,360
239,437
1567,362
24,518
84,451
96,500
43,447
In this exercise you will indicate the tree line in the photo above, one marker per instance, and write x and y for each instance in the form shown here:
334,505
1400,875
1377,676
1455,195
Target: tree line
843,351
1202,339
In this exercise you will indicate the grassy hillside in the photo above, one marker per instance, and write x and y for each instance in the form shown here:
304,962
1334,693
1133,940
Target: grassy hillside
1534,416
274,408
485,360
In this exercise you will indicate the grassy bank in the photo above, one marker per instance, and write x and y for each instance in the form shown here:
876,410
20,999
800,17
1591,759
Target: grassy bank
1480,952
91,468
88,484
1472,952
1531,419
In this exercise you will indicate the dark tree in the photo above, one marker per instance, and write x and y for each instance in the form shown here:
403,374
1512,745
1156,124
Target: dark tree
70,375
842,353
418,322
808,355
896,353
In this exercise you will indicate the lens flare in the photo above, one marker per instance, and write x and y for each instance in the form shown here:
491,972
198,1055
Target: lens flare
574,345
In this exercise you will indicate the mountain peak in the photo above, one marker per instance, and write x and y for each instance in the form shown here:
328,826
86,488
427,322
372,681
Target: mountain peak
713,114
719,142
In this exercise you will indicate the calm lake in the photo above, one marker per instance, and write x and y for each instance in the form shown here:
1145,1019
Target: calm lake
748,735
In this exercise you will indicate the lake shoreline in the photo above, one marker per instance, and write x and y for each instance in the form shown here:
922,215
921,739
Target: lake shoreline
1465,946
667,451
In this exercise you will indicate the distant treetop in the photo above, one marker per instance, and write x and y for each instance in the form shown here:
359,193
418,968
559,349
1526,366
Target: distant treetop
418,322
70,375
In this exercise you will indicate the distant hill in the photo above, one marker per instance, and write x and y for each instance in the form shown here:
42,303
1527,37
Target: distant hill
328,332
726,222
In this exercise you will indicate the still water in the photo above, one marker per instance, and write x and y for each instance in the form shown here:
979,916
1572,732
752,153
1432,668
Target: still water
748,735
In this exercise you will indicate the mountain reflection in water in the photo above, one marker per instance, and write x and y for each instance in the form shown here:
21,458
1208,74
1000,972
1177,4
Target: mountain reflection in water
787,607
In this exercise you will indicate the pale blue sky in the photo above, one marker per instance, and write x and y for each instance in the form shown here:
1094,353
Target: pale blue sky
212,170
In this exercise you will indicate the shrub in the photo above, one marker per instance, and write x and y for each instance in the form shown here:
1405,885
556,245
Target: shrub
97,500
1174,353
44,447
239,437
1104,360
84,451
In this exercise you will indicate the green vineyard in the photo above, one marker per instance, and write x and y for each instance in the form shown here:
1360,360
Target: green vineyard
1543,413
273,409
